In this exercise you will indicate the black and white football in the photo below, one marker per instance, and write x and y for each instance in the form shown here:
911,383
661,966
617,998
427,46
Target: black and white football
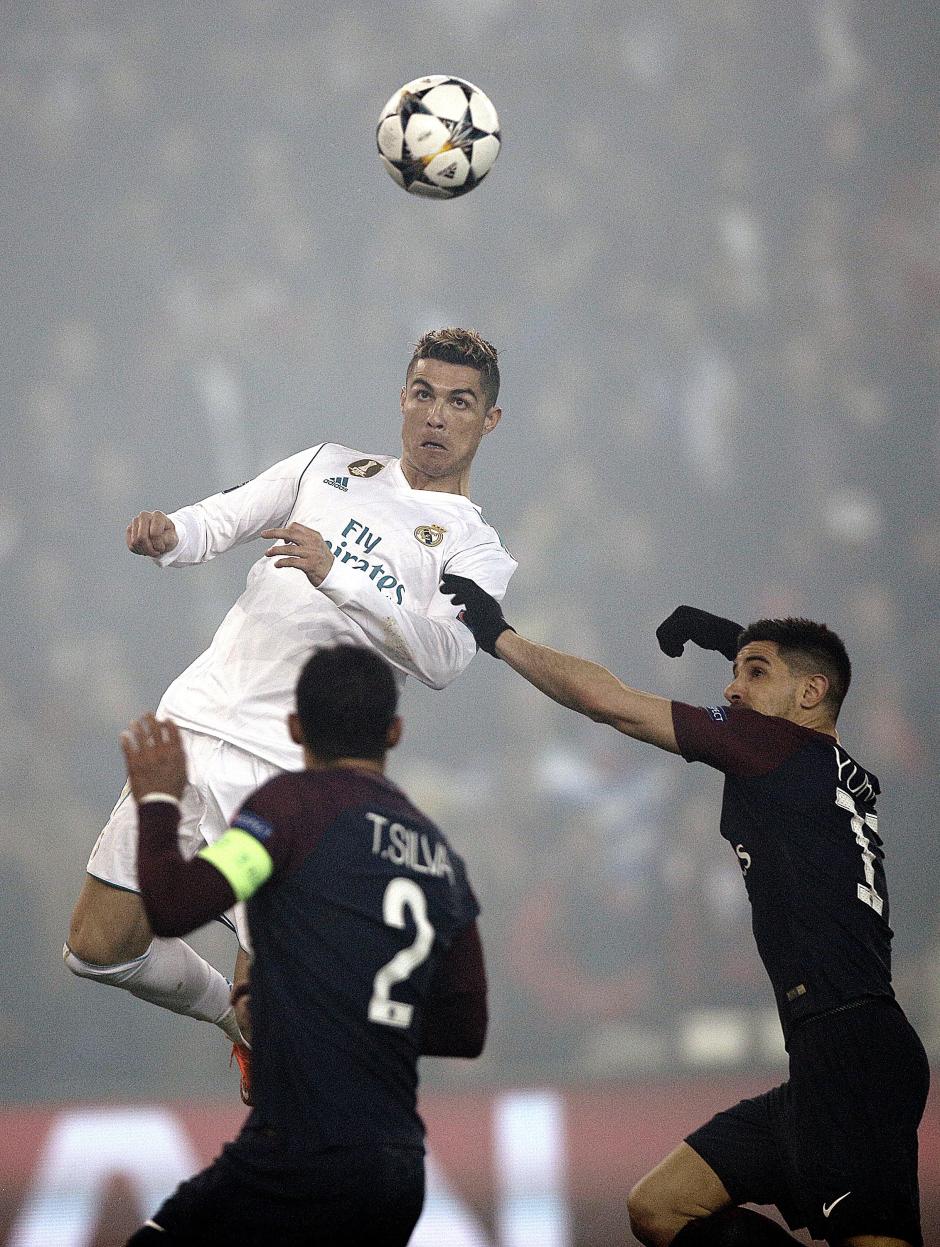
438,136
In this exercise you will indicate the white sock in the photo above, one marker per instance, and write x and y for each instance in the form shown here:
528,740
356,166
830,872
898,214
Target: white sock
229,1023
172,975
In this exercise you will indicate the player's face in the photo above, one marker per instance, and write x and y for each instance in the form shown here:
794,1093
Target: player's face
763,681
444,418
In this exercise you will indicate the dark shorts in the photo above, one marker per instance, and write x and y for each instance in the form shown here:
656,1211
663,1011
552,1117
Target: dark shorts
834,1147
256,1195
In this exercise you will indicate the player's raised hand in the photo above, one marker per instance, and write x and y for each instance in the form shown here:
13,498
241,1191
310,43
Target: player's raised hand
151,533
482,613
688,623
155,758
300,547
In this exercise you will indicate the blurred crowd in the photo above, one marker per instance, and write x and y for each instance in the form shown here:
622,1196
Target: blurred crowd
709,254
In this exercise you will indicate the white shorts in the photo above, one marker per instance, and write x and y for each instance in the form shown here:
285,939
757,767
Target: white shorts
220,776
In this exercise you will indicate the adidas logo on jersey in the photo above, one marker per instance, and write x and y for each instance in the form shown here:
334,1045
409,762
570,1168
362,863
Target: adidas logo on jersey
338,482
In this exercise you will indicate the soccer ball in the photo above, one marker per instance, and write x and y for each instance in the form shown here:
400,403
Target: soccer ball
438,136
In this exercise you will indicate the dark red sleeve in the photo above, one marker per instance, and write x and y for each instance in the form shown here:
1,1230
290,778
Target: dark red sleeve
178,895
290,813
455,1017
736,740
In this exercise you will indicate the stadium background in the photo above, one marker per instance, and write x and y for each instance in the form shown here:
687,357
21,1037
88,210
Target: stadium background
709,256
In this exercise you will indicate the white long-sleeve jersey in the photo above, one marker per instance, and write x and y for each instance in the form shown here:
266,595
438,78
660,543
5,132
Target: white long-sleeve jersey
391,545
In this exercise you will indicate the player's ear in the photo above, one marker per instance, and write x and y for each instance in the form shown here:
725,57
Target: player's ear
293,726
401,399
394,733
492,419
815,688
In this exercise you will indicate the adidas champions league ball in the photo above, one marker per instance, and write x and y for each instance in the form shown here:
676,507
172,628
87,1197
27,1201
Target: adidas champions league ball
438,136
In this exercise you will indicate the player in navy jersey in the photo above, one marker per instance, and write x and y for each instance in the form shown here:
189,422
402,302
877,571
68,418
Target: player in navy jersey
366,956
834,1147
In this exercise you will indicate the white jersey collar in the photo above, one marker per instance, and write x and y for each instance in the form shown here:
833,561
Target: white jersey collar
397,471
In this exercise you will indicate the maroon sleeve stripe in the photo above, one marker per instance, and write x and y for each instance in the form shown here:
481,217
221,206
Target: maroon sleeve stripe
456,1017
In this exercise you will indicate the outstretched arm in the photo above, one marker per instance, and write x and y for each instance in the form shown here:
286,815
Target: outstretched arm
590,689
197,533
573,682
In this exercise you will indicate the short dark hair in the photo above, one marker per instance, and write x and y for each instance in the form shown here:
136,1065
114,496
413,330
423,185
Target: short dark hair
461,346
346,701
809,647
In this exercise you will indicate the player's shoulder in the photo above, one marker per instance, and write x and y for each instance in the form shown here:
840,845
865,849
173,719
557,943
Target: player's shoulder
793,737
857,780
493,532
308,795
271,806
352,462
399,804
472,530
351,787
337,459
741,741
281,790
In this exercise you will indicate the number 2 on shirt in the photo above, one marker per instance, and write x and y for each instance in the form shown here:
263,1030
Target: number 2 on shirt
401,894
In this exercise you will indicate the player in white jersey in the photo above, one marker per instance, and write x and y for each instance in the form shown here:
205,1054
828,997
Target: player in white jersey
361,543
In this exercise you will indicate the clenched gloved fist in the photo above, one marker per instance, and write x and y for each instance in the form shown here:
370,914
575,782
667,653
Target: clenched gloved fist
482,613
688,623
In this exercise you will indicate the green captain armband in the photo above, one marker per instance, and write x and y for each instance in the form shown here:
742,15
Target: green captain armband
242,859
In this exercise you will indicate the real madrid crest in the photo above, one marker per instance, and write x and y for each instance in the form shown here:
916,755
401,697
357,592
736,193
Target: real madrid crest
430,534
365,467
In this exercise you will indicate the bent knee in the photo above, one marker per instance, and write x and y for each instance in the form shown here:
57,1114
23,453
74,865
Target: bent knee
681,1188
114,974
650,1219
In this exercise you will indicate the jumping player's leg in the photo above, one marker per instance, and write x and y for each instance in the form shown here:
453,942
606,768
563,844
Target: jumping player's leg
241,976
109,938
230,777
110,942
241,1048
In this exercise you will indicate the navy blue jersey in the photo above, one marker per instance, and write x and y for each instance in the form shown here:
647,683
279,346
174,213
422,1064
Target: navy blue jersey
349,933
799,813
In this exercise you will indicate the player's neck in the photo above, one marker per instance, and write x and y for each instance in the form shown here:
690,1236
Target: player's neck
313,763
815,723
458,483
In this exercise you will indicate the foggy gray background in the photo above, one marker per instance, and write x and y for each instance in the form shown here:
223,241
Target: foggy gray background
709,255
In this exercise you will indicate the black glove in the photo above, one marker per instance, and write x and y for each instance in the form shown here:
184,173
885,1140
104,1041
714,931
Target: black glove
688,623
482,613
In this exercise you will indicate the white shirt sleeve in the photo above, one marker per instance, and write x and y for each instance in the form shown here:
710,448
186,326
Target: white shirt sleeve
228,519
434,646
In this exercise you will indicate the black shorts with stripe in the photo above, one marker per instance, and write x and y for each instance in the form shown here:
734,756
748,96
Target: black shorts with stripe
834,1147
